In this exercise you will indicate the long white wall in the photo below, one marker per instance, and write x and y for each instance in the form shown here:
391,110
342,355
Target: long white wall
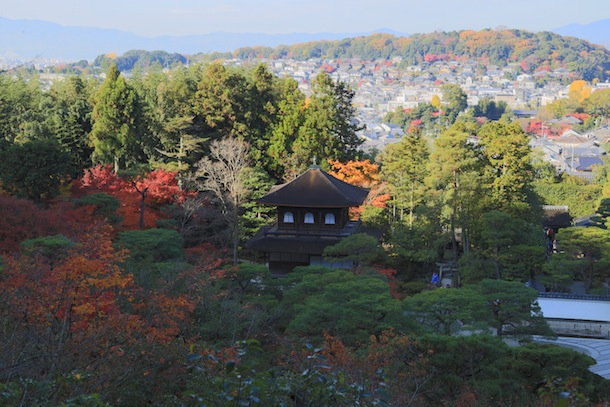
585,310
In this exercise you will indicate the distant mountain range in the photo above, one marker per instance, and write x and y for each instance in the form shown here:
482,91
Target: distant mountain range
33,39
597,32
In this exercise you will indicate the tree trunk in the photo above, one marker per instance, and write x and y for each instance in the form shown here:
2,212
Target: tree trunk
143,193
453,215
235,235
412,205
142,208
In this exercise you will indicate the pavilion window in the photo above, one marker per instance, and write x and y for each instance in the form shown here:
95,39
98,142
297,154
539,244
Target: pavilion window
309,218
329,219
288,217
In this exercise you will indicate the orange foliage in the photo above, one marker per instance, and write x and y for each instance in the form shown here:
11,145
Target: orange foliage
76,294
168,311
202,253
365,175
415,125
336,352
402,42
214,361
83,293
467,34
360,173
166,316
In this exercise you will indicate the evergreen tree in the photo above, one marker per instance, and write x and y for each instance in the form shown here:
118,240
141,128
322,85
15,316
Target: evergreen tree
69,118
170,120
456,101
221,103
454,182
262,109
328,132
404,168
508,166
35,170
20,109
284,130
503,246
116,111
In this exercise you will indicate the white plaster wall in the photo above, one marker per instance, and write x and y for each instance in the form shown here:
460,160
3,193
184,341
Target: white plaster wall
585,310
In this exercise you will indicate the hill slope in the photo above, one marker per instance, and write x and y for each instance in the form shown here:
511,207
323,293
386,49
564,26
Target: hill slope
533,51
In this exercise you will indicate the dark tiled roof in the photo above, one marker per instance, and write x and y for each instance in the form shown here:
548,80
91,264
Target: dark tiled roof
315,189
556,216
527,113
585,163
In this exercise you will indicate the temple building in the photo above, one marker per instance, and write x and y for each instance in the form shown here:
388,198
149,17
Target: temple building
312,213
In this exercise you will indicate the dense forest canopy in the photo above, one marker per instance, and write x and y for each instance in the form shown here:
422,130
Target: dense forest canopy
140,59
126,202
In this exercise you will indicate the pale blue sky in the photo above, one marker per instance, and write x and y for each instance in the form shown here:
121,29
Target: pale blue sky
184,17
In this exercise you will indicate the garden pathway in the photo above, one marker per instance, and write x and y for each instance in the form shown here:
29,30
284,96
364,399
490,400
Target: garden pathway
598,349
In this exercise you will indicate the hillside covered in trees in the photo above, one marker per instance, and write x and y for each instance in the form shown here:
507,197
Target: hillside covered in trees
126,203
532,51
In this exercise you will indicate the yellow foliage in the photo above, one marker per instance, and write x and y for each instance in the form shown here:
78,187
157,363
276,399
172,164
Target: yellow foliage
579,91
307,103
84,309
402,42
436,101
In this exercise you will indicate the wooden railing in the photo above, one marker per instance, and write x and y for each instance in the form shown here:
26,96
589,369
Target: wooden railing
350,228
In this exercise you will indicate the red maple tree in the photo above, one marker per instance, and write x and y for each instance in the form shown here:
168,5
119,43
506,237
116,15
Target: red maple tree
139,196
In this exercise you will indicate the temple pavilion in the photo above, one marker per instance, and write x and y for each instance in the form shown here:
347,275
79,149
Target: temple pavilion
312,213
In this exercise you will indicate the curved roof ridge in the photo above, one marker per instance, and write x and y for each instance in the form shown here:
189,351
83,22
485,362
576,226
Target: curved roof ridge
341,186
315,188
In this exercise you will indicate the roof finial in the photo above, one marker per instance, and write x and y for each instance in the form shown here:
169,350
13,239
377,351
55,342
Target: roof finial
314,165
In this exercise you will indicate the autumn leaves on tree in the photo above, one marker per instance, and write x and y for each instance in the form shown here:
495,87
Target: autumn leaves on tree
126,203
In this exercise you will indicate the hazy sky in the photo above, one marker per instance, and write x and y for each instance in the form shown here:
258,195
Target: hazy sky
184,17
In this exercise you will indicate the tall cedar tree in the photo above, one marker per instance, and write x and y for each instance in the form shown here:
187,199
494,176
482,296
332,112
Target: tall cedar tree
404,169
69,119
454,182
328,132
114,135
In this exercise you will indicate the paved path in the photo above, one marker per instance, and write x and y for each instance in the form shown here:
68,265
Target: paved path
598,349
